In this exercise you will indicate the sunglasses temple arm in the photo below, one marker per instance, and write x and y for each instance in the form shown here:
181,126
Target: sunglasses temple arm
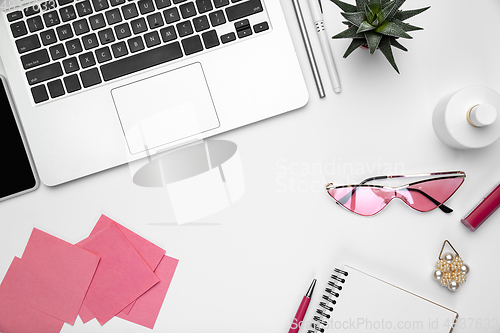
440,205
373,178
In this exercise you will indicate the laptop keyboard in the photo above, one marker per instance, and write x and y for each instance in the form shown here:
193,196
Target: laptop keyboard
68,46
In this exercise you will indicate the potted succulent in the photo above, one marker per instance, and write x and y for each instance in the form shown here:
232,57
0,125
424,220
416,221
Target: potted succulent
376,24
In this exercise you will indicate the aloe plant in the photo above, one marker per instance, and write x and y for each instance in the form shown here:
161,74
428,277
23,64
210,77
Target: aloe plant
376,24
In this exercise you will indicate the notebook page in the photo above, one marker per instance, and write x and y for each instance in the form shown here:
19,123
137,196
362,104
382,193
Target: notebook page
367,304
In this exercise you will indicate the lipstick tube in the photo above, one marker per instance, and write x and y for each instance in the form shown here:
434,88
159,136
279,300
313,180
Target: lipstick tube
483,210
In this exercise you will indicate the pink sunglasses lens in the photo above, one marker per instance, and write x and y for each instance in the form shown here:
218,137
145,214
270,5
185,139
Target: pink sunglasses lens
428,195
364,201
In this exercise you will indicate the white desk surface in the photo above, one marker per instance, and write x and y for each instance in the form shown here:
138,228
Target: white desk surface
245,269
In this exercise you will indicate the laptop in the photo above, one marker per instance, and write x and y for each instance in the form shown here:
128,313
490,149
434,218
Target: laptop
99,83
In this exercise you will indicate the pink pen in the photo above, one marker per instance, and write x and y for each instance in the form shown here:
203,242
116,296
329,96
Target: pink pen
301,312
483,210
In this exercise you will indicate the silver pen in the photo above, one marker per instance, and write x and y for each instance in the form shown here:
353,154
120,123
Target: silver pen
309,51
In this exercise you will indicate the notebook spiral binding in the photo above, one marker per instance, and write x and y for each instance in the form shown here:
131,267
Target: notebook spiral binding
326,306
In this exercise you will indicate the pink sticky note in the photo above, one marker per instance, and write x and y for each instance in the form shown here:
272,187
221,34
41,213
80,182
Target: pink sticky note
147,307
122,275
18,317
53,276
151,253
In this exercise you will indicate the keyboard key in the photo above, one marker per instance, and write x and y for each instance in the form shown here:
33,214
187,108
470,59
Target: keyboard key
27,44
113,16
67,13
145,6
116,2
204,6
106,36
71,65
103,55
48,5
187,10
90,78
64,2
217,18
51,19
160,4
244,33
228,37
210,39
100,5
242,25
201,23
184,28
81,27
34,59
39,94
168,34
32,10
83,8
220,3
243,9
74,46
18,29
90,41
56,88
140,61
139,25
86,59
14,16
155,20
35,23
119,49
122,31
178,1
72,83
48,37
64,32
192,45
171,15
135,44
57,52
97,21
129,11
261,27
45,73
152,39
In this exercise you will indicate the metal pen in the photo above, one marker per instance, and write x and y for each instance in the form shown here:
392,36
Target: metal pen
309,51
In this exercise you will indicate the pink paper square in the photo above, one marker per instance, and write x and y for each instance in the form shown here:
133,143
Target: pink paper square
147,307
53,276
151,253
122,275
17,317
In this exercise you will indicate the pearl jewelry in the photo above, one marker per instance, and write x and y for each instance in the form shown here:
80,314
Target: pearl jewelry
448,257
437,274
450,270
464,268
453,286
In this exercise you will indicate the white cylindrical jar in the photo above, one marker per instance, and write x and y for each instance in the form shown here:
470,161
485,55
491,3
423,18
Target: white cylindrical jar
468,118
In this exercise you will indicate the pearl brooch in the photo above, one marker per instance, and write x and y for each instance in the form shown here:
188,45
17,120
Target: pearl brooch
451,271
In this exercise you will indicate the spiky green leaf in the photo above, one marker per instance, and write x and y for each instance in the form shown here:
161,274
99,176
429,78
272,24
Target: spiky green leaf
384,2
385,11
355,18
373,40
349,33
385,47
406,26
369,13
347,23
365,26
403,15
348,8
360,4
392,29
353,46
395,43
374,2
395,8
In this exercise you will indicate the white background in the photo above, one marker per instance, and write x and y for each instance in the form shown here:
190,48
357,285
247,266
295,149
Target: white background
245,269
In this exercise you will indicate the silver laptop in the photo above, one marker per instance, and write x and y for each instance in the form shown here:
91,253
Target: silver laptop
99,83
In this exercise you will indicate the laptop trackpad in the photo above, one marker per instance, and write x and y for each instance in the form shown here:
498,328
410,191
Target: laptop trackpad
165,108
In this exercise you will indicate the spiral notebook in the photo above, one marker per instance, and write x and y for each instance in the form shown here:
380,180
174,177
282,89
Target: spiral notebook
353,301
